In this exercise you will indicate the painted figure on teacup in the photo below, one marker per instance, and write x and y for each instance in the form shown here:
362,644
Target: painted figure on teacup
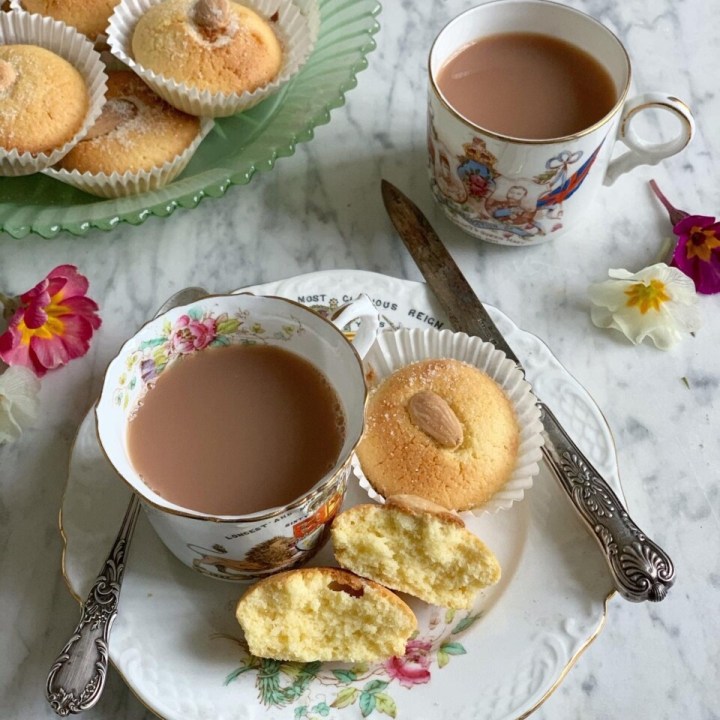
276,553
476,193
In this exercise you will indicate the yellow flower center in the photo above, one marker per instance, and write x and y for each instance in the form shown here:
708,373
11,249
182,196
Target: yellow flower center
52,327
701,244
645,297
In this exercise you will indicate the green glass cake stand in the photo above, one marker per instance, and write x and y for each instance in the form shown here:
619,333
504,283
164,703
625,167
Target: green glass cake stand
233,152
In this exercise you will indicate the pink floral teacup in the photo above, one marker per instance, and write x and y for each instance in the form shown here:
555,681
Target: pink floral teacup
250,546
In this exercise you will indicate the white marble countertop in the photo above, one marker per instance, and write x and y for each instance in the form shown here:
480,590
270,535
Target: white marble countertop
321,209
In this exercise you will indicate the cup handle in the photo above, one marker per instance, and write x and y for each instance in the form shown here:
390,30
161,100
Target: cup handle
362,309
642,152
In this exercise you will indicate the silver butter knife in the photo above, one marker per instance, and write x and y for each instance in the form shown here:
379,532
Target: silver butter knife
77,677
641,570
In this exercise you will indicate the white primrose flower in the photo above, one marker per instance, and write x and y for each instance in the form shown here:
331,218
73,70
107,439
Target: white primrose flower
19,402
659,302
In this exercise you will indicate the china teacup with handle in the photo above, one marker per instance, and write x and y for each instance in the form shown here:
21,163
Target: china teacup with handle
231,545
505,179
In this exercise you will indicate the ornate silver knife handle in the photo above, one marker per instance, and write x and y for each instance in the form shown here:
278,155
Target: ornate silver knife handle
640,568
77,677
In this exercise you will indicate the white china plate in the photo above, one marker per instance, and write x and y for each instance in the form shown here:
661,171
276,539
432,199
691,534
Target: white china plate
176,641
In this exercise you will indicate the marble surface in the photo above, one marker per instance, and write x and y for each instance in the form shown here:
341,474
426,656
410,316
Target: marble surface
321,209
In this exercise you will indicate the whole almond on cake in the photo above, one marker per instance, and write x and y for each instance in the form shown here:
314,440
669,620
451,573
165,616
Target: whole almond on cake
441,429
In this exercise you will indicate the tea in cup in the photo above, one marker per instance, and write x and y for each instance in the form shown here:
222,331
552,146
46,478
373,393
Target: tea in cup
234,419
527,101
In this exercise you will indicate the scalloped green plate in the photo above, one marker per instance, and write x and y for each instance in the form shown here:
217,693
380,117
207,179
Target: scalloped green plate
233,152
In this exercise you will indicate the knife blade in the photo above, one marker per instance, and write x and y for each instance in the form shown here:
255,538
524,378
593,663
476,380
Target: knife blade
640,569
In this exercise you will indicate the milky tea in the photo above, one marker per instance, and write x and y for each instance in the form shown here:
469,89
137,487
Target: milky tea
236,430
527,85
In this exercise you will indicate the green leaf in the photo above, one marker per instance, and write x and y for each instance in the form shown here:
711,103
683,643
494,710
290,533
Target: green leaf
367,703
291,669
465,623
321,709
228,326
385,704
453,648
301,711
345,697
166,328
442,659
220,342
450,615
345,676
236,673
145,344
195,313
158,355
375,686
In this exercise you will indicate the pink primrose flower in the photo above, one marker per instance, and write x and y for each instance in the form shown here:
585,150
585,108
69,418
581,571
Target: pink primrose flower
50,324
697,251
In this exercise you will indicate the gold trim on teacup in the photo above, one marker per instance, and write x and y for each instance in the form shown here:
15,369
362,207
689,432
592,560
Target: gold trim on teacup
309,496
537,141
660,104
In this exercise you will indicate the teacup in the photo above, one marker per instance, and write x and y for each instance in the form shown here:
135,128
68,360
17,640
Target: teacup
515,191
241,547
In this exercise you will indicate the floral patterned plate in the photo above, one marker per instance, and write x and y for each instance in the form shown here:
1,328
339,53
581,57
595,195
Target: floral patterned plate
178,647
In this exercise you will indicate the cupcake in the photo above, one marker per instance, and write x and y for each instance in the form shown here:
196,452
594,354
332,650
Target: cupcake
440,429
449,419
90,17
211,57
43,99
213,45
52,85
138,143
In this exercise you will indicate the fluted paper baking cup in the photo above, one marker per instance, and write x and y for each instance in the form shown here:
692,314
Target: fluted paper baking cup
395,349
131,183
18,27
294,30
100,41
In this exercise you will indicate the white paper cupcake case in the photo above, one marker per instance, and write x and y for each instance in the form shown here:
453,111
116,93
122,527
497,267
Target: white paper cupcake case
129,183
397,348
22,28
297,33
99,42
